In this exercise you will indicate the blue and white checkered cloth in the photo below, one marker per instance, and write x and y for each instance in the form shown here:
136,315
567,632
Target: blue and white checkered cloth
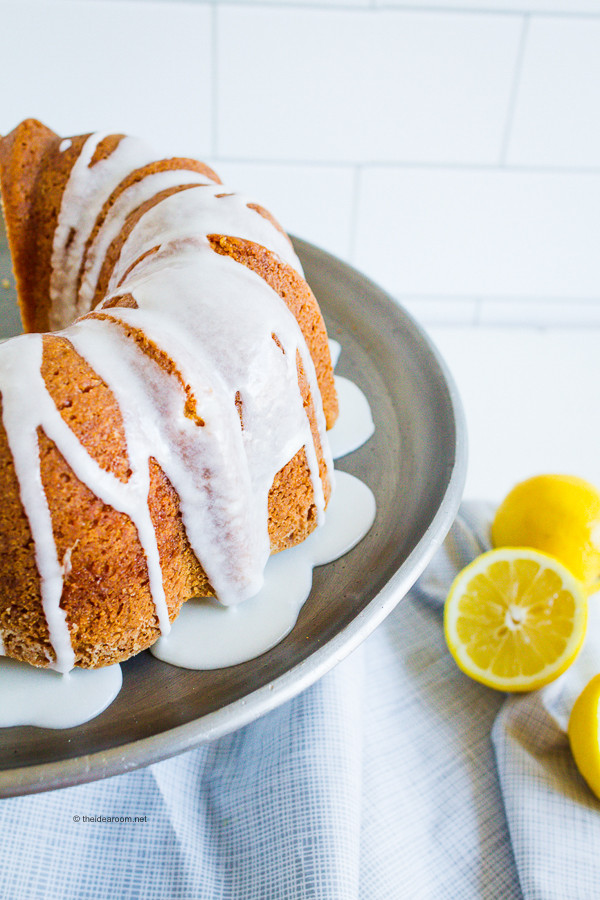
395,776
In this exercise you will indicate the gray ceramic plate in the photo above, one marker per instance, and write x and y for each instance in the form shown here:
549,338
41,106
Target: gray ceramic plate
415,464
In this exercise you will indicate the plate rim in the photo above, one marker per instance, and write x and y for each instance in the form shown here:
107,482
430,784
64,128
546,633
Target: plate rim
137,754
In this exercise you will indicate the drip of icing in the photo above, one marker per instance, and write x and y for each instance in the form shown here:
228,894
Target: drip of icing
20,380
30,696
21,420
82,200
126,203
207,635
64,145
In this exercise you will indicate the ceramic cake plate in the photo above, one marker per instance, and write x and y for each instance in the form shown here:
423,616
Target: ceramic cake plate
415,465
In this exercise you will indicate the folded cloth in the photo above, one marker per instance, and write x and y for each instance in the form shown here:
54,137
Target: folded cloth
553,818
379,781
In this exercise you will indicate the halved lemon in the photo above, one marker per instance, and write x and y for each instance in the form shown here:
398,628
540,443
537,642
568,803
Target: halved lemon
584,733
515,619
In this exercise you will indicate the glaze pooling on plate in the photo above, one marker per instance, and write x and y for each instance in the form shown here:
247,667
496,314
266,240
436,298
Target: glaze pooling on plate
30,696
208,634
348,434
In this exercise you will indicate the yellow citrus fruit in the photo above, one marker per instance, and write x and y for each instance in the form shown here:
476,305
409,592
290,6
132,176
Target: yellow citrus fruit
515,619
584,733
558,514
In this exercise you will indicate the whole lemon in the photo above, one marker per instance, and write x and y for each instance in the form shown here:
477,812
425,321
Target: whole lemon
583,734
557,514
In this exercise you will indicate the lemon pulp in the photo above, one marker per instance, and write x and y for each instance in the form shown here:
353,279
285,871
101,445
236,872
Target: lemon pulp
515,619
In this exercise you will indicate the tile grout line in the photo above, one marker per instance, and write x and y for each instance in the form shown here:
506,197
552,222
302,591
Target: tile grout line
484,314
379,6
514,92
510,324
215,81
487,299
353,236
390,6
459,9
485,319
492,167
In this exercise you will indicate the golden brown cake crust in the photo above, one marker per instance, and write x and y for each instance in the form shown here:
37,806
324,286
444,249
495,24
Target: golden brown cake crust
106,595
22,155
32,223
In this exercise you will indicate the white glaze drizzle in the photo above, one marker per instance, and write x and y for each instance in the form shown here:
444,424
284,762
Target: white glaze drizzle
20,383
85,192
229,349
130,498
229,530
131,198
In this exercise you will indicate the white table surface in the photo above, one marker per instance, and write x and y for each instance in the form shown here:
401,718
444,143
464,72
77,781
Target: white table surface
532,402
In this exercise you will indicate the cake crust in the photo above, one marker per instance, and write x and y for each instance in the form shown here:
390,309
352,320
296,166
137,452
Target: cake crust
107,597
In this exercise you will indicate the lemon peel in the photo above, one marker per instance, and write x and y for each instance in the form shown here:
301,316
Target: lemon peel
584,734
557,514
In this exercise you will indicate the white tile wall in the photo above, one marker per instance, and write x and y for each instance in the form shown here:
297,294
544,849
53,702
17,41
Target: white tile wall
335,3
90,66
564,314
556,121
296,193
449,148
529,396
480,233
569,7
363,86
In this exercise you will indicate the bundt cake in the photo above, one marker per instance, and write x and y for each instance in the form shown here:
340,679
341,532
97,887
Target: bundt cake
163,419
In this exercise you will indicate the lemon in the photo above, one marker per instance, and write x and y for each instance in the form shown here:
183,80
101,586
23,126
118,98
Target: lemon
515,619
558,514
584,728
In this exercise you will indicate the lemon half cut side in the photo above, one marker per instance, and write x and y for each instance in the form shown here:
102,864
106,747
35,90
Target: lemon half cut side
515,619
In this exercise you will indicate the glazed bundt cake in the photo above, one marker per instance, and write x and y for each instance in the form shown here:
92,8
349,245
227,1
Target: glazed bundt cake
163,419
